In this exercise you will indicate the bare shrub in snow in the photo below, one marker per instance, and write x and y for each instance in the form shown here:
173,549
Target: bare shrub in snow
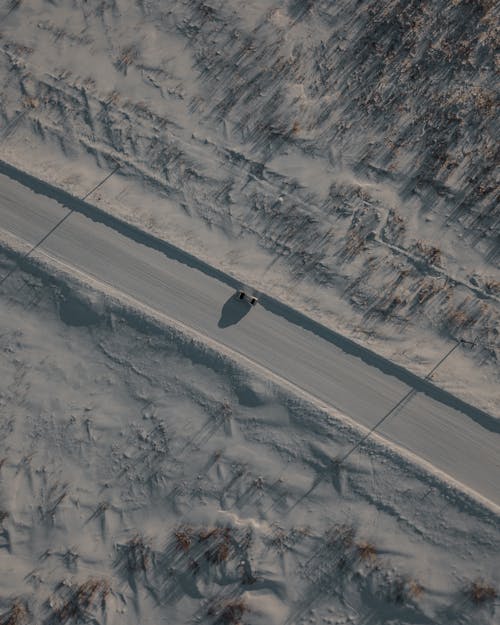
428,289
218,553
480,592
414,589
82,598
127,56
184,538
366,551
429,252
284,540
402,590
219,546
228,612
16,615
492,286
340,535
135,555
355,242
458,318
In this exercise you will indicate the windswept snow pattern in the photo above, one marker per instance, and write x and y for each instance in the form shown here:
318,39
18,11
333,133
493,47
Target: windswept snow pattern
146,477
341,154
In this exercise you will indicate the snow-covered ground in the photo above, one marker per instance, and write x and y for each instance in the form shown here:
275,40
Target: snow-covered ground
147,478
339,155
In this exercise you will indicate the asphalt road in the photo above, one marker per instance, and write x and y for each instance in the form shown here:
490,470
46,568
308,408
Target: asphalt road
448,438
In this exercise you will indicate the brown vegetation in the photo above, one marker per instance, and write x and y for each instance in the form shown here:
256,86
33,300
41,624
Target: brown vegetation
414,589
225,411
366,551
428,289
218,553
82,598
459,318
16,615
429,252
184,538
405,589
229,612
492,286
219,543
481,592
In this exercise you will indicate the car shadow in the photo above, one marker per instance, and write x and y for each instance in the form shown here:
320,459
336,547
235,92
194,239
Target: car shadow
233,312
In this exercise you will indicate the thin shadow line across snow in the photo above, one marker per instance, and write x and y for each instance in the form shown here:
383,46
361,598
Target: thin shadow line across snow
56,226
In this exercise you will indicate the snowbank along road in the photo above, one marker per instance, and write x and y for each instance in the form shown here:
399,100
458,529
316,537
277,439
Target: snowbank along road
457,439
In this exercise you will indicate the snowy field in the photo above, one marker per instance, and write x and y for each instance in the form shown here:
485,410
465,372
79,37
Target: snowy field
147,478
339,155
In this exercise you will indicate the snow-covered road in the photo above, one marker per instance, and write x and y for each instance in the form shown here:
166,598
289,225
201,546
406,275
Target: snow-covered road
463,447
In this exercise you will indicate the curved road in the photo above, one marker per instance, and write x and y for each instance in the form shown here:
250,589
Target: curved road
446,437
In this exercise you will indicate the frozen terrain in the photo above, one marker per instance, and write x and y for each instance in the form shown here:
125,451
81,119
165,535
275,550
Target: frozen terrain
339,155
167,457
147,478
416,414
